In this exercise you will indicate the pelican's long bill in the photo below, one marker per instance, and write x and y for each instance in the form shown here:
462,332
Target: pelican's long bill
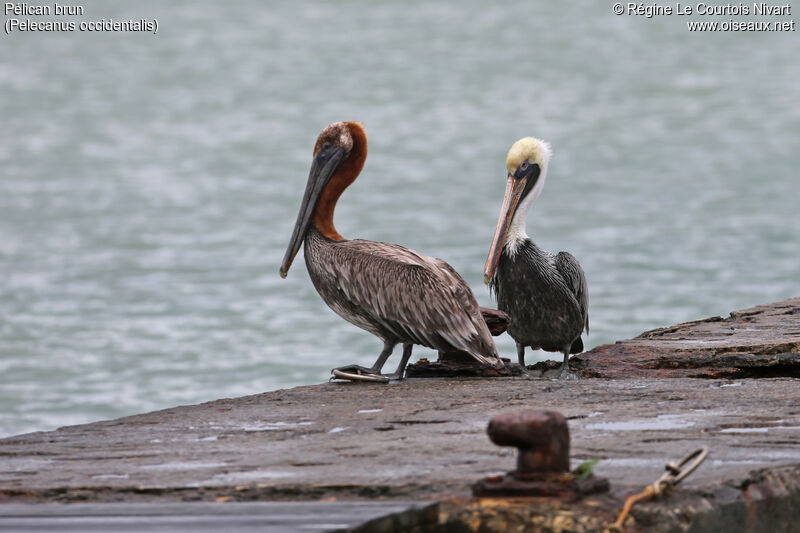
325,164
515,187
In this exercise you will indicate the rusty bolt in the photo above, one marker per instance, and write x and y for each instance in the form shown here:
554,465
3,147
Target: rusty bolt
541,436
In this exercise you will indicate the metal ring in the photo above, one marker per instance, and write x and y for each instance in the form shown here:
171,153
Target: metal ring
699,455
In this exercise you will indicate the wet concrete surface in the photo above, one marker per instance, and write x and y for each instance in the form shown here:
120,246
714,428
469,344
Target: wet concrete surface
425,439
417,439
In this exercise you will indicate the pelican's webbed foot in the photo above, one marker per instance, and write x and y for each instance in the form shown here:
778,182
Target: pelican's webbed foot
361,373
567,374
358,373
355,369
565,371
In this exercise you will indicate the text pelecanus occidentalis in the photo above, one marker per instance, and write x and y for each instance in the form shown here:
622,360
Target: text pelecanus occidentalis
545,295
395,293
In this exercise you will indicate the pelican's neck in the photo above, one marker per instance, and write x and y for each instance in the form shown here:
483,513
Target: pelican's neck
516,234
346,174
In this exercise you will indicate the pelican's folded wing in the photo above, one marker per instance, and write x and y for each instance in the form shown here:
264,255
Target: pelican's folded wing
571,271
414,296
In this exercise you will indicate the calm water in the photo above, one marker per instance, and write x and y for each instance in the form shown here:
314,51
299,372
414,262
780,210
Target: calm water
149,184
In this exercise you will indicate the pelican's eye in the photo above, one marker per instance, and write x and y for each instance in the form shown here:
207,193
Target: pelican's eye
524,165
327,145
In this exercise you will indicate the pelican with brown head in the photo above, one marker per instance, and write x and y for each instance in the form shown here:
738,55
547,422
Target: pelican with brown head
395,293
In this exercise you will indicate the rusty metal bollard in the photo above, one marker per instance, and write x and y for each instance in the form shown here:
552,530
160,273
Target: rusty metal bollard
542,438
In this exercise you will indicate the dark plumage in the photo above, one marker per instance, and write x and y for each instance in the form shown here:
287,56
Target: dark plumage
545,295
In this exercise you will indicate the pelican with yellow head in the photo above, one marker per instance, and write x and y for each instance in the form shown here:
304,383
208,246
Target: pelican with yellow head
545,295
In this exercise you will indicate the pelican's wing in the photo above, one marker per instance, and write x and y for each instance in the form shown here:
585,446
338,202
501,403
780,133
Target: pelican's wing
571,271
415,296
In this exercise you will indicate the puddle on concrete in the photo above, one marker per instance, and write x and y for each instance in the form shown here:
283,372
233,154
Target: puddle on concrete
718,385
632,462
17,464
717,462
250,475
659,423
339,429
693,341
276,426
181,465
760,429
760,458
370,410
111,476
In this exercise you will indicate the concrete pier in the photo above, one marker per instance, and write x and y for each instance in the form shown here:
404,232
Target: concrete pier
424,440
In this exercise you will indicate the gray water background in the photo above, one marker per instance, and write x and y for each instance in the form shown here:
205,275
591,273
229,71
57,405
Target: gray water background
149,183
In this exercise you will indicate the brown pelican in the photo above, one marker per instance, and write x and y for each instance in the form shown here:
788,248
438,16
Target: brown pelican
395,293
545,295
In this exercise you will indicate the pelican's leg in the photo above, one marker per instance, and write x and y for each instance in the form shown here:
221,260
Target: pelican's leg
353,371
565,372
521,355
401,368
388,348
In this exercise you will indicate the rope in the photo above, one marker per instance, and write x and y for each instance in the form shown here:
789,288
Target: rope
675,473
649,492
